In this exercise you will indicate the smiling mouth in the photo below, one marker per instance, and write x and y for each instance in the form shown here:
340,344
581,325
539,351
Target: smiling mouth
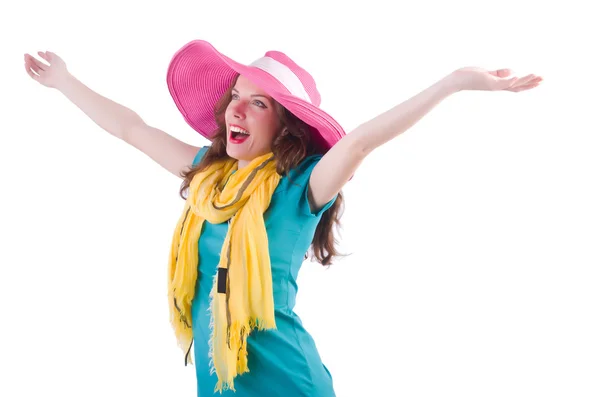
238,134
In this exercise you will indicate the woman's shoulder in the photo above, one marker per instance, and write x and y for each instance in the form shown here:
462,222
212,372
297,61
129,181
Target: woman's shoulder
300,174
295,186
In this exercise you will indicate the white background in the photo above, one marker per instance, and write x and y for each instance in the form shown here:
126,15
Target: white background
474,236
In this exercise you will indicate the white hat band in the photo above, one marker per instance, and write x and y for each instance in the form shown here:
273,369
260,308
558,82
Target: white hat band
284,75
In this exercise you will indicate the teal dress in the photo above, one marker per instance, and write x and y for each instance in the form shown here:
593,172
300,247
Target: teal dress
282,362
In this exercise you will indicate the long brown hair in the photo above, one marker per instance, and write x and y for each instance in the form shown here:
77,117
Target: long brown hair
290,147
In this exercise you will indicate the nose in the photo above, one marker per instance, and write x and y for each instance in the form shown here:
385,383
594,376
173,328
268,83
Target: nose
239,110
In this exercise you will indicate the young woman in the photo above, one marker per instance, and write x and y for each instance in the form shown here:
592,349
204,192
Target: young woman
257,199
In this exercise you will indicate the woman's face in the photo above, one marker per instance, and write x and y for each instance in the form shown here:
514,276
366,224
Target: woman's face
252,122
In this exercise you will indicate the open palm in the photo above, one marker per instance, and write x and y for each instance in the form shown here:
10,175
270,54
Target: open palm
475,78
49,75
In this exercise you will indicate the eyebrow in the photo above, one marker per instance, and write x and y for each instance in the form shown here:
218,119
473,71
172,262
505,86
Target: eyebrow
253,95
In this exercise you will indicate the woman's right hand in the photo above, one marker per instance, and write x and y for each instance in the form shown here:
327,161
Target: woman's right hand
51,75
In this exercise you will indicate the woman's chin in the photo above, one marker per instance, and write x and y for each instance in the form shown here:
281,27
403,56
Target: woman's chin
243,156
236,152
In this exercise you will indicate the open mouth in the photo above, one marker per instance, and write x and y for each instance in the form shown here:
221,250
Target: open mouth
238,134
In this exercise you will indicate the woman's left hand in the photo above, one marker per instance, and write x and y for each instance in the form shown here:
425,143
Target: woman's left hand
479,79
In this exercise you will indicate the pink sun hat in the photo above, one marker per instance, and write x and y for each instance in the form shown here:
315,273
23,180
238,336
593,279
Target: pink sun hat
198,75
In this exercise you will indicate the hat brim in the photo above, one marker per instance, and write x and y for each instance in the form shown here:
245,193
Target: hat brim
199,75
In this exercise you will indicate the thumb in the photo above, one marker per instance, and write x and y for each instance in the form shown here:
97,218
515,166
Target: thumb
505,76
503,73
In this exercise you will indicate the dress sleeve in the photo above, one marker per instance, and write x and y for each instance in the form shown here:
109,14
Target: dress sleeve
300,178
199,155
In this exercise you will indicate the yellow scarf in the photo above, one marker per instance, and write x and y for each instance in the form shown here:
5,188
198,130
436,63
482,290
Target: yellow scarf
242,294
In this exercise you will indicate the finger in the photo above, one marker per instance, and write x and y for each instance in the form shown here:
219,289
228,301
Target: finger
43,55
529,79
39,64
530,86
30,60
31,64
524,87
538,79
504,83
527,83
30,72
524,80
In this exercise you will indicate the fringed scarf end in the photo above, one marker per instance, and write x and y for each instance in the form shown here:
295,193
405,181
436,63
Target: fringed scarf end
224,386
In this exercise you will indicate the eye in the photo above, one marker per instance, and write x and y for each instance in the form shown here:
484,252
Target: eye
260,104
234,96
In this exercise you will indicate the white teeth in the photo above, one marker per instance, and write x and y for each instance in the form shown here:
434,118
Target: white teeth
239,130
